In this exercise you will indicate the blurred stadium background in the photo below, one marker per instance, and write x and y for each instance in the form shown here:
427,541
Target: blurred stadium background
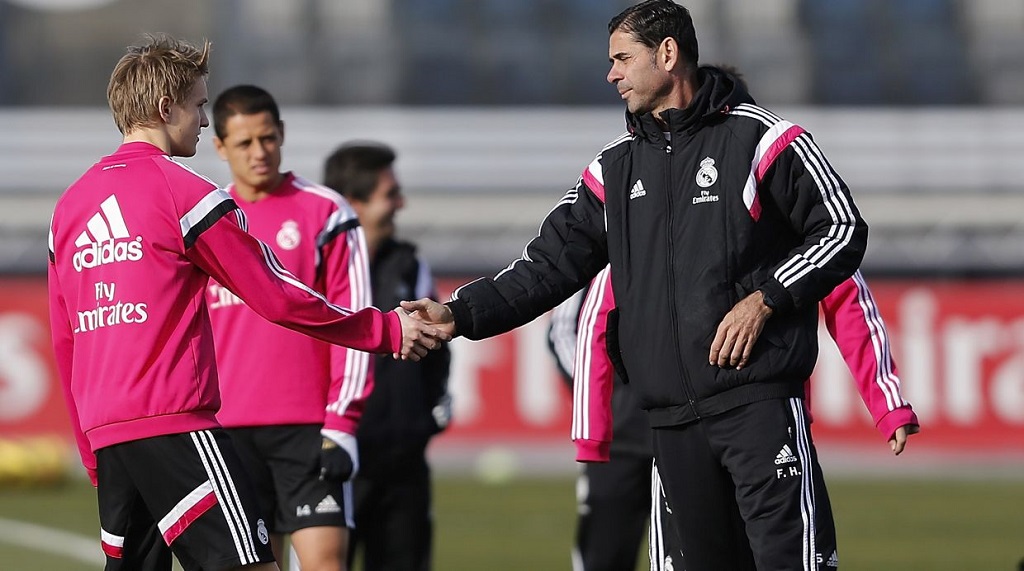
495,106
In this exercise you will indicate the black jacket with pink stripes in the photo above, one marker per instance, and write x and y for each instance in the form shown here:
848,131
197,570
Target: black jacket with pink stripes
694,213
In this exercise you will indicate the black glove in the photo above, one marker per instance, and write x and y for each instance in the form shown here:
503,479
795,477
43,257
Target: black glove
335,463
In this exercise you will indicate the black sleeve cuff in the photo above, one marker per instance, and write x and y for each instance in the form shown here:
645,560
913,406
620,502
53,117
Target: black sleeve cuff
777,297
463,318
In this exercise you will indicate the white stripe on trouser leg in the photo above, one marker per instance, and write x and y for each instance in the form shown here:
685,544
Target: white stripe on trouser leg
655,535
201,439
234,516
807,510
232,491
582,495
210,471
577,559
346,497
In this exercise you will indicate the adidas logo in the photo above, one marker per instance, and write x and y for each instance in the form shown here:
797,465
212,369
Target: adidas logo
327,506
101,239
833,560
638,190
785,456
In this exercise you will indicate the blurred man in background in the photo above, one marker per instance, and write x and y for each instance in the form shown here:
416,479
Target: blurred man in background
614,497
410,402
291,403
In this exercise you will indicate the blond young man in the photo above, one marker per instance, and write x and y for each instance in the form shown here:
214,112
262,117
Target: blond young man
132,246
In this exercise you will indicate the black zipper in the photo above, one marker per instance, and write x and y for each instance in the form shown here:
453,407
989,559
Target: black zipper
669,192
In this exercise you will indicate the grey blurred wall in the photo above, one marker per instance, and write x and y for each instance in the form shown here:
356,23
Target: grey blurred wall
524,52
496,105
942,189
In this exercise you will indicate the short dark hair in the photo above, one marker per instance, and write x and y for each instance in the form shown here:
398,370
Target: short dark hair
242,100
652,21
353,168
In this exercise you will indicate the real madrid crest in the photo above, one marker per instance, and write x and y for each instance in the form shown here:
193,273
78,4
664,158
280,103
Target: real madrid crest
707,174
288,236
261,532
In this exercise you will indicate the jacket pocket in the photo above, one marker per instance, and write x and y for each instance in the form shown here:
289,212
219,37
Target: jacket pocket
612,344
774,336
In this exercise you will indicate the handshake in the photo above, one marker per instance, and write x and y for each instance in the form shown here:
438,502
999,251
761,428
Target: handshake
425,325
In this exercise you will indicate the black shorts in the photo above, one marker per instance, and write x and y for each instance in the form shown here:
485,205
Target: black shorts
284,465
187,491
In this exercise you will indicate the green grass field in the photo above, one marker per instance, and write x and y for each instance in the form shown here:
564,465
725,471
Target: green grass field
528,525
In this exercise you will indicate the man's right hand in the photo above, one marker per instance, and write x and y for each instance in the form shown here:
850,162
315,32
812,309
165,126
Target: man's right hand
738,332
432,313
418,337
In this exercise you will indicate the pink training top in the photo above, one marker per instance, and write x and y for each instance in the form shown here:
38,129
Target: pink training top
270,375
851,316
132,245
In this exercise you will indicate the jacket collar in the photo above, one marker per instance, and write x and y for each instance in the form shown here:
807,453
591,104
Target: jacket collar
720,90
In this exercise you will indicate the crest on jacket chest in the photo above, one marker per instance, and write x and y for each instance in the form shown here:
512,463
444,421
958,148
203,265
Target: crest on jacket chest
288,237
707,176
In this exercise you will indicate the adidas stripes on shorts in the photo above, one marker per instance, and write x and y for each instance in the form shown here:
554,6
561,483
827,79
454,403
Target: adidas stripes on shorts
187,491
283,463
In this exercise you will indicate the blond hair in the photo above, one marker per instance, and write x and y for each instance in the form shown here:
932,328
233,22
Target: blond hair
163,66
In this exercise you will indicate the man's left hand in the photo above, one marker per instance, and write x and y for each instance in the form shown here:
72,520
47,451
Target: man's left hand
738,331
899,439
